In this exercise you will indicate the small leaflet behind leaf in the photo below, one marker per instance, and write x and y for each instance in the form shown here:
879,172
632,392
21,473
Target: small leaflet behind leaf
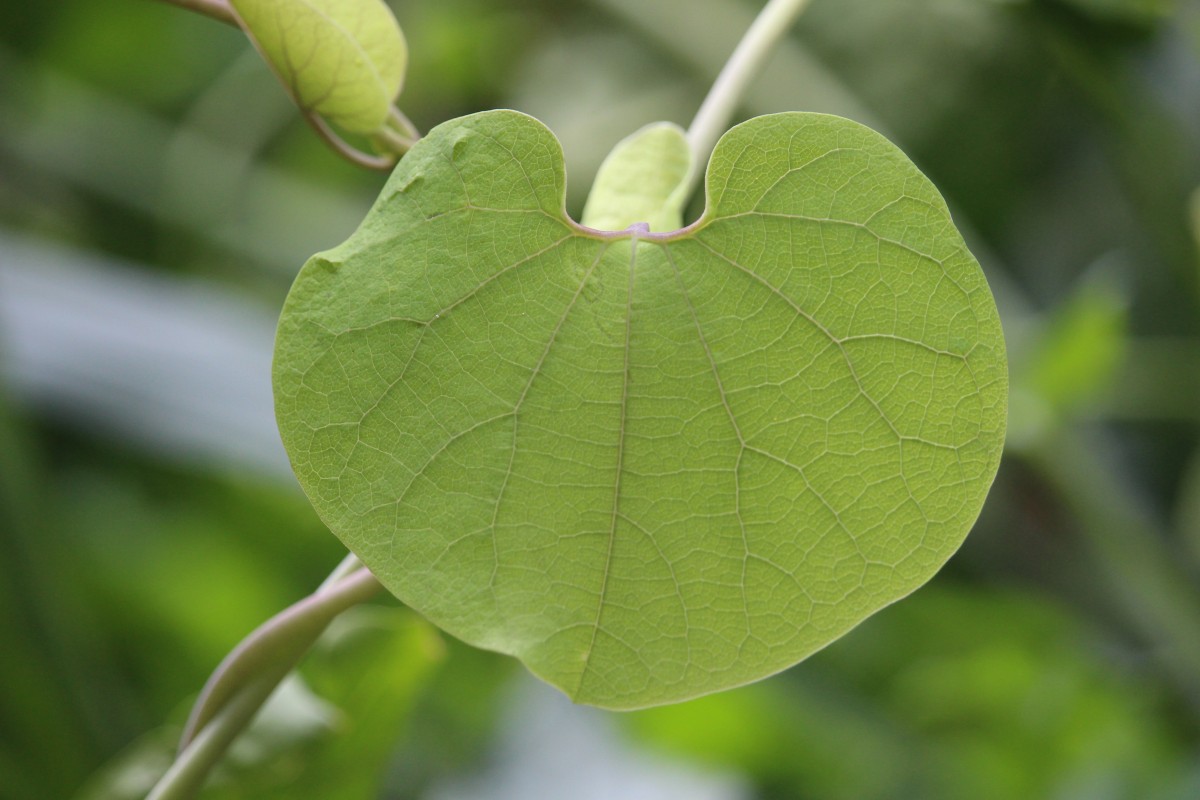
649,465
342,59
642,180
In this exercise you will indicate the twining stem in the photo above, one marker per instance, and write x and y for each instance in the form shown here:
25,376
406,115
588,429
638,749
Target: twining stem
713,117
190,769
347,567
406,126
284,637
382,163
219,10
252,671
392,141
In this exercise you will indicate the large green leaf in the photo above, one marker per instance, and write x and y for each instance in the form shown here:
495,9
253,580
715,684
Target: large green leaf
650,465
342,59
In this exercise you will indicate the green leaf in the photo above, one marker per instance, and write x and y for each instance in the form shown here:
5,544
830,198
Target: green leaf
341,59
644,179
648,465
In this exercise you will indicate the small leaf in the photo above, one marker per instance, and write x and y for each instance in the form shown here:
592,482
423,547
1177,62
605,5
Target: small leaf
648,465
643,179
341,59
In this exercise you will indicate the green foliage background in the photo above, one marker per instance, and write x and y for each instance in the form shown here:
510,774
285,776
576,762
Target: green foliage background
1057,656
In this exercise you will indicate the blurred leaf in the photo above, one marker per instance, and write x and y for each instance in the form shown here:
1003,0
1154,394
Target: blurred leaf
1080,349
342,59
291,719
455,720
639,464
1069,362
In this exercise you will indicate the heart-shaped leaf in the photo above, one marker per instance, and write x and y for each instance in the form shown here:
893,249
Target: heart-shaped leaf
342,59
649,465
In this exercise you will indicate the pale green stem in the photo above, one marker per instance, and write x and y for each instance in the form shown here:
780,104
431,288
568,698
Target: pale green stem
406,126
217,9
250,673
726,93
349,565
284,637
390,140
190,769
345,149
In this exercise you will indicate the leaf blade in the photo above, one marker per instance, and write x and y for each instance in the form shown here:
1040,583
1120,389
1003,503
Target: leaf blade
650,466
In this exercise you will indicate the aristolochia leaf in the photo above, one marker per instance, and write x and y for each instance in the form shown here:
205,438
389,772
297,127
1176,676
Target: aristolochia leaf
648,465
342,59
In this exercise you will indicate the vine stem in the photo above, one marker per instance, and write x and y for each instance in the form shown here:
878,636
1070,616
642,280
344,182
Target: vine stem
712,119
381,163
248,676
406,126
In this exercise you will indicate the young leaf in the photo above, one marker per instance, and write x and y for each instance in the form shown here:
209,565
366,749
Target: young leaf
342,59
648,465
642,180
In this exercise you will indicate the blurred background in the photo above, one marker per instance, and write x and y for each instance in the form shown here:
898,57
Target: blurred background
158,193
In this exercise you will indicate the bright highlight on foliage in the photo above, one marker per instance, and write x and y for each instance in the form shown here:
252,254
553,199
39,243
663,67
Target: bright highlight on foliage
341,59
648,465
